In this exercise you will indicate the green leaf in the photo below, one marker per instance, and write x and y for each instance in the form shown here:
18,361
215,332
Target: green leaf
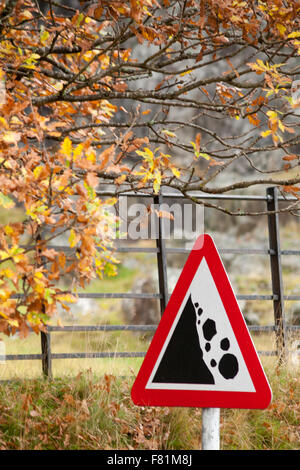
49,295
110,270
6,201
80,19
22,309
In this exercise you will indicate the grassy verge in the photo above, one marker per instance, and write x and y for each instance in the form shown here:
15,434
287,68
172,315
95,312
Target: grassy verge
88,412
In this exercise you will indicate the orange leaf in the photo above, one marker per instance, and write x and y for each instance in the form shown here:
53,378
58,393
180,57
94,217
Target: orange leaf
164,214
252,118
106,156
120,86
135,11
197,141
291,189
215,163
289,158
62,260
92,180
120,179
98,13
49,253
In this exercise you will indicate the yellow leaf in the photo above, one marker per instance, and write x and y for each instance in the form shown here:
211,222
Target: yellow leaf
266,133
78,151
15,120
148,152
39,288
4,295
66,147
3,122
73,238
262,65
37,171
168,133
66,298
157,181
185,73
8,273
39,275
281,126
26,14
294,34
281,28
58,86
8,230
44,36
11,137
18,258
175,172
272,115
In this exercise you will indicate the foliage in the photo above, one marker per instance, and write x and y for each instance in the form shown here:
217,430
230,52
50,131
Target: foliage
76,114
91,413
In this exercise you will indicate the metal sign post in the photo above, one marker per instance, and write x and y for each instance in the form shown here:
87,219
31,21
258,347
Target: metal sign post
211,429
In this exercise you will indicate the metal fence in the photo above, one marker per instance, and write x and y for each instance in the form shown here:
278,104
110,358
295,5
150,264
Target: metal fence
274,252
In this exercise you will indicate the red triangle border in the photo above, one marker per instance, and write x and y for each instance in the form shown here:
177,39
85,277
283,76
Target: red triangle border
260,399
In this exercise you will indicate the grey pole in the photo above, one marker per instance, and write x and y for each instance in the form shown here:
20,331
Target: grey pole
210,428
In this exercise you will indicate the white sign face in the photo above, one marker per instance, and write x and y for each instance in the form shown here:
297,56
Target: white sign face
218,347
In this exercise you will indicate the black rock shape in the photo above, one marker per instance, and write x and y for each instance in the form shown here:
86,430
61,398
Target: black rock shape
182,361
225,344
209,329
200,311
228,366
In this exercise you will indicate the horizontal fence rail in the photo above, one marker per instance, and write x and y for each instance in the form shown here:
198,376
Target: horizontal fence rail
274,252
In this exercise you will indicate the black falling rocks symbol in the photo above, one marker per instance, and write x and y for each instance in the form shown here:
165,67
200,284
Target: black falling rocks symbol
182,361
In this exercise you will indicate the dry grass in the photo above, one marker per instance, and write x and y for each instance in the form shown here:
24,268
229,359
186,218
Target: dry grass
88,412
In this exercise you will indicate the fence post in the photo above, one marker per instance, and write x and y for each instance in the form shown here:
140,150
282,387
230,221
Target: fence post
46,354
276,272
161,259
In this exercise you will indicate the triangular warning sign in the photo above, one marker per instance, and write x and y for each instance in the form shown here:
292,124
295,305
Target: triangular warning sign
202,354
